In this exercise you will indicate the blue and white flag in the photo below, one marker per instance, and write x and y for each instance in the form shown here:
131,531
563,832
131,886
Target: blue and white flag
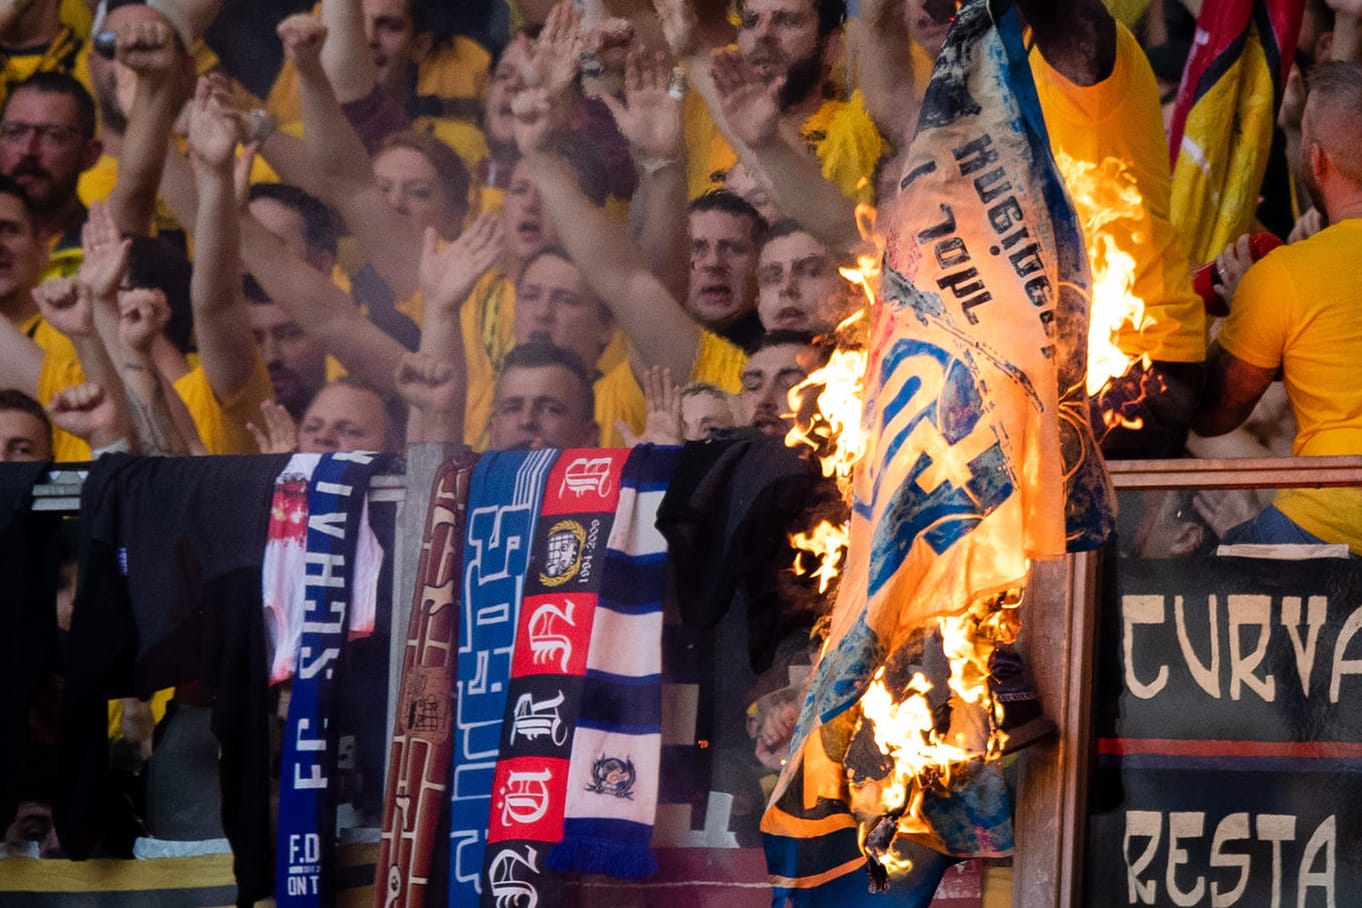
978,436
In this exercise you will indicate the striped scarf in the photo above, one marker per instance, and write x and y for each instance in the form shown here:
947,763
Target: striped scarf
548,673
335,503
503,506
613,773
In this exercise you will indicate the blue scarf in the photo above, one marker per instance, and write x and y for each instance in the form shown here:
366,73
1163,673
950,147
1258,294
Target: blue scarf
306,808
616,751
503,506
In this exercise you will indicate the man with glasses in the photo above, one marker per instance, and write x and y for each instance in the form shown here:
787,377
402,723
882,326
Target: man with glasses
47,140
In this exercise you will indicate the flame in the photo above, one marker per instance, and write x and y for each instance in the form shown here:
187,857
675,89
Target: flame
1103,195
922,756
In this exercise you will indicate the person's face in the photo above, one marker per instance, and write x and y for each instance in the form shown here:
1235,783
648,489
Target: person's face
393,41
22,254
498,121
526,227
297,363
413,188
767,379
47,165
702,415
540,407
23,437
773,35
343,418
553,305
723,262
798,287
1165,531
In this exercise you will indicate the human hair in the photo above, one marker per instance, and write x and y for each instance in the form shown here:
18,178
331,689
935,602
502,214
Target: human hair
447,163
705,389
781,228
734,204
321,231
394,409
154,263
558,252
783,337
1333,114
59,83
11,187
539,355
832,14
16,400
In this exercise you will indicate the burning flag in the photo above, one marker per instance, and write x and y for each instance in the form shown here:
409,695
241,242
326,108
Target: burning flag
976,438
1226,110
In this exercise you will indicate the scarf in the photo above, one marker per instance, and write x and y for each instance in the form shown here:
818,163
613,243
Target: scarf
419,763
503,505
335,507
548,671
282,569
613,771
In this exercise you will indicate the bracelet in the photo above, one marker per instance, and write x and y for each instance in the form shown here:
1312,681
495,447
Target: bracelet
676,88
259,125
649,166
121,446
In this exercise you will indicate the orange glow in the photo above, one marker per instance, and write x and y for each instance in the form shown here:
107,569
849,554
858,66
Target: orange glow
1104,195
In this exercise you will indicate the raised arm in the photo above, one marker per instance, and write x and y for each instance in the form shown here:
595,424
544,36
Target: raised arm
342,167
152,51
1076,37
658,327
346,58
68,305
752,110
650,119
434,382
148,397
885,69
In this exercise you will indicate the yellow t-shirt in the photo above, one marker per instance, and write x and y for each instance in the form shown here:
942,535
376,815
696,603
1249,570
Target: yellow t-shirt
1297,310
454,71
58,373
1120,117
840,133
719,362
65,53
222,424
619,398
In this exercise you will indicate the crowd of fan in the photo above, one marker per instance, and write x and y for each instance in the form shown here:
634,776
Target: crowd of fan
619,225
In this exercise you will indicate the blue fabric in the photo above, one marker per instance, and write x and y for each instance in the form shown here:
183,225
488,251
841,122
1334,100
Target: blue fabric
307,807
503,506
1271,526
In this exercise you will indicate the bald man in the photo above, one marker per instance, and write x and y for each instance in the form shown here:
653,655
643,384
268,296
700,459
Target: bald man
1297,311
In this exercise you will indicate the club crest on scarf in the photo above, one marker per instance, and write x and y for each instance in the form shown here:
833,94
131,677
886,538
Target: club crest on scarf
977,436
563,553
613,776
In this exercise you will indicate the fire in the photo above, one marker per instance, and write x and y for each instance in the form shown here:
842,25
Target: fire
1104,195
828,542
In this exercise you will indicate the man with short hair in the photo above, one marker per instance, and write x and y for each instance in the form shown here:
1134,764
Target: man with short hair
305,227
25,429
799,287
781,360
47,140
721,294
1296,311
543,399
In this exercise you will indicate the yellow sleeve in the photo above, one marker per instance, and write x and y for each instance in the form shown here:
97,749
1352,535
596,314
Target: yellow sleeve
849,148
56,374
222,424
619,398
719,362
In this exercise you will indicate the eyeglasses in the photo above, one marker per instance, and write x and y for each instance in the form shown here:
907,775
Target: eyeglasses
50,135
